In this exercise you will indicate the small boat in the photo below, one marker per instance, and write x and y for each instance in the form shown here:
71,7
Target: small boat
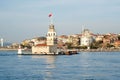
19,50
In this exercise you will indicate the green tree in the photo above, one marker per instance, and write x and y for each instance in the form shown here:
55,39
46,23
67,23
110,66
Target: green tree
69,45
96,45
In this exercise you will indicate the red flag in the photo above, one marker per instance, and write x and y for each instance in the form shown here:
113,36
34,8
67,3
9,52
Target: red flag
50,14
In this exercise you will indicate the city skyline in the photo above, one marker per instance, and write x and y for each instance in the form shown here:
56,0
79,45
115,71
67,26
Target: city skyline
26,19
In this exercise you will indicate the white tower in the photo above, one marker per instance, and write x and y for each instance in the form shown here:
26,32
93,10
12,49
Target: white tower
51,44
51,36
1,42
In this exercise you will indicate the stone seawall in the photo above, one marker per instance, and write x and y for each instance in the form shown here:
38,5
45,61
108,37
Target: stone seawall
78,50
98,50
7,49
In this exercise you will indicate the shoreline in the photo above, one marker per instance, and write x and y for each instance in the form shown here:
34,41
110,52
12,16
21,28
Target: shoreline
99,50
7,49
12,49
78,50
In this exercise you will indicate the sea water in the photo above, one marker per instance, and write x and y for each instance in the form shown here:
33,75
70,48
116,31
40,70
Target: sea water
83,66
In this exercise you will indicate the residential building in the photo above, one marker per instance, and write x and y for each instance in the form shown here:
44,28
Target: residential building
117,44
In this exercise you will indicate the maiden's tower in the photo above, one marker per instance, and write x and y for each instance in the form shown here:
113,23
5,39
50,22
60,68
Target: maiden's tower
50,47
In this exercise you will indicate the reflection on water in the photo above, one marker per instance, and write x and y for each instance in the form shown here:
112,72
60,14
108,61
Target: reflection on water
48,59
19,56
84,60
84,66
50,64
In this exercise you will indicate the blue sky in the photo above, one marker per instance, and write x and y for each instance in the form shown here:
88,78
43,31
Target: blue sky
26,19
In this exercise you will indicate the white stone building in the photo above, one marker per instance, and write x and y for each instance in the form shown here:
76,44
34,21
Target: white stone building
51,44
86,38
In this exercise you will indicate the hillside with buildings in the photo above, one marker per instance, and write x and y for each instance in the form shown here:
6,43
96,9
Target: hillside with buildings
85,40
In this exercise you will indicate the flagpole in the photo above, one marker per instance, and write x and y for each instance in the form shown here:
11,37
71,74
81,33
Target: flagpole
51,18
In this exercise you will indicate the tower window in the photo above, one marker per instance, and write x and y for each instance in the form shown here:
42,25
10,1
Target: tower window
54,34
49,34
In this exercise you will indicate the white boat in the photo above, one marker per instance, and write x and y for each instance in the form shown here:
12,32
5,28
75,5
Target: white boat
19,50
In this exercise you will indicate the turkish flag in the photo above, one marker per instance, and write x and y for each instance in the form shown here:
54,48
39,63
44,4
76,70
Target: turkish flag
50,14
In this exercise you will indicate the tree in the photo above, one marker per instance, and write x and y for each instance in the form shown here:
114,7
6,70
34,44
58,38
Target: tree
109,45
83,47
96,45
69,45
118,37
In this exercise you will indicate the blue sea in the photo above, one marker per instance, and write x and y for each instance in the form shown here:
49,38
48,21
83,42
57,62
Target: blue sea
83,66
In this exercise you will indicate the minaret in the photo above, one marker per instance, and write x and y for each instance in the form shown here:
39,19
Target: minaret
51,35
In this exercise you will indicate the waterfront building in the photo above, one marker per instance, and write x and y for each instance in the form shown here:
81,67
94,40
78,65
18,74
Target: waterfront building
109,39
63,38
86,38
74,40
69,40
99,38
50,47
39,40
117,44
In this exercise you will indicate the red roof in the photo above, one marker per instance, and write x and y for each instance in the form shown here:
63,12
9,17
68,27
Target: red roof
118,42
41,45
